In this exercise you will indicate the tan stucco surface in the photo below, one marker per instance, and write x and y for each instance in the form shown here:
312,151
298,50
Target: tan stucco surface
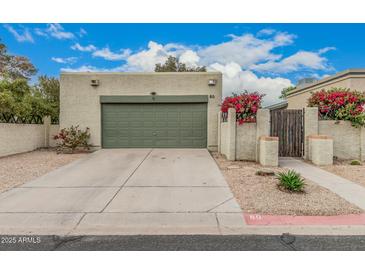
80,103
18,138
353,79
347,140
300,100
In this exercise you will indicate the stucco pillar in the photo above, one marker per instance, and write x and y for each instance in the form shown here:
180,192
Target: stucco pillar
47,126
310,127
269,151
231,134
321,149
362,143
219,131
262,128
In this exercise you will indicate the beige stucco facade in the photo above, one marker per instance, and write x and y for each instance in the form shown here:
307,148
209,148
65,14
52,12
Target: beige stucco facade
353,79
80,102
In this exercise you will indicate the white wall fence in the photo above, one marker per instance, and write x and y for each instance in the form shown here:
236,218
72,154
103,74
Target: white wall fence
348,141
243,142
18,138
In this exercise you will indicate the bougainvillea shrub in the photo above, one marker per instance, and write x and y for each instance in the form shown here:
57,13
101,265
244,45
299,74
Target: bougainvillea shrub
246,105
72,138
340,104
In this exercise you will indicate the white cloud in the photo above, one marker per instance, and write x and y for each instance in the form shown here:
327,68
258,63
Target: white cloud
300,60
326,49
67,60
245,50
237,80
190,58
107,54
56,31
88,68
265,32
145,60
82,32
25,36
87,48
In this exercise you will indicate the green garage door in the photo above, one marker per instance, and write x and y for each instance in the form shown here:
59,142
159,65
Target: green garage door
161,125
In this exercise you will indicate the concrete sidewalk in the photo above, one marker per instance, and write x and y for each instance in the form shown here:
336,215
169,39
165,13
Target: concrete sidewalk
125,191
344,188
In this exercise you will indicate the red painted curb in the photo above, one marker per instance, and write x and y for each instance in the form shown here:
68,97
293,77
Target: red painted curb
258,219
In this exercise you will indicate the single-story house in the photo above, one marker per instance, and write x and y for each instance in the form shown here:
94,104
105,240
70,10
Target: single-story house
124,110
354,79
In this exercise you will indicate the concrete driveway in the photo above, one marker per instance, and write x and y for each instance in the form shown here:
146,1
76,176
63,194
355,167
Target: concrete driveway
125,191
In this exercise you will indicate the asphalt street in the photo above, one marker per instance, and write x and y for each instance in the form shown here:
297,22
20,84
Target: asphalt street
285,242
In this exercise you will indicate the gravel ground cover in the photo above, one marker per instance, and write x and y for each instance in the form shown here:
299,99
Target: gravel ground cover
20,168
355,174
260,194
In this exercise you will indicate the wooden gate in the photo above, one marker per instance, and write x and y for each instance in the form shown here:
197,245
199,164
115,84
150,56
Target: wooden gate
288,126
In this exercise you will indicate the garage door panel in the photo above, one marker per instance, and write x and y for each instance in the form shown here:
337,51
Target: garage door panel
154,125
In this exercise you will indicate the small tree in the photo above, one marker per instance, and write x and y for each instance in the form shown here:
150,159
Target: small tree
14,66
172,64
285,91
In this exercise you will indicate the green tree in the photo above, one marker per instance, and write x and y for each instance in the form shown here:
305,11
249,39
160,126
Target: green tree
173,64
49,88
14,66
284,91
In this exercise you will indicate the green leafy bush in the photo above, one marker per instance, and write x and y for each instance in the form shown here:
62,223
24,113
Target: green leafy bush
291,181
355,163
73,138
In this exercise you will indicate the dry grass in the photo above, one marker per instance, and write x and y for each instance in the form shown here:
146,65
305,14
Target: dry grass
355,174
259,194
20,168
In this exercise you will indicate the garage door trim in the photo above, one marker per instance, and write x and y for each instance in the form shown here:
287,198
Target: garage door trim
154,99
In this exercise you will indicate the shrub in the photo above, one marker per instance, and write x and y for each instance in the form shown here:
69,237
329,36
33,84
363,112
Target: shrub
291,181
340,104
73,138
246,105
355,163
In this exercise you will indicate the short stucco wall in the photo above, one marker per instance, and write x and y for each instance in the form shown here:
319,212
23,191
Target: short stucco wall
19,138
242,139
53,130
246,142
348,141
80,102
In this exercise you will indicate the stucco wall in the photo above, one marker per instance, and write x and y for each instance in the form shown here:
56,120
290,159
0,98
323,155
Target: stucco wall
80,103
300,100
53,130
224,138
347,140
17,138
246,142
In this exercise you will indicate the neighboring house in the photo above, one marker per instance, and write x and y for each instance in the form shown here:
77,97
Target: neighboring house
122,110
278,106
353,79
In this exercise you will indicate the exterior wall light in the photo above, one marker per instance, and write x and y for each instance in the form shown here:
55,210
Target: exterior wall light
95,82
212,82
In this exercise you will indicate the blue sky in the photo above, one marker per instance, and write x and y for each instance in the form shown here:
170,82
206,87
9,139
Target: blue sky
256,57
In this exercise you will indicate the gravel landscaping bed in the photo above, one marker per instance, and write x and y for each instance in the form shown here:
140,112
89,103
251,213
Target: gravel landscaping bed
260,194
20,168
355,174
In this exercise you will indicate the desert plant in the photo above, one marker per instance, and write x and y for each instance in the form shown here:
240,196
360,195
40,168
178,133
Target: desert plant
73,138
291,181
355,163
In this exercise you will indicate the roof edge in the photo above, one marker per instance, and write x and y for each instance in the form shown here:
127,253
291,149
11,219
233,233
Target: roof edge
328,79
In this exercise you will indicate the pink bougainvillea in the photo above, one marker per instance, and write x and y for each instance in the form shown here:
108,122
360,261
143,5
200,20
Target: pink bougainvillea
246,105
340,104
